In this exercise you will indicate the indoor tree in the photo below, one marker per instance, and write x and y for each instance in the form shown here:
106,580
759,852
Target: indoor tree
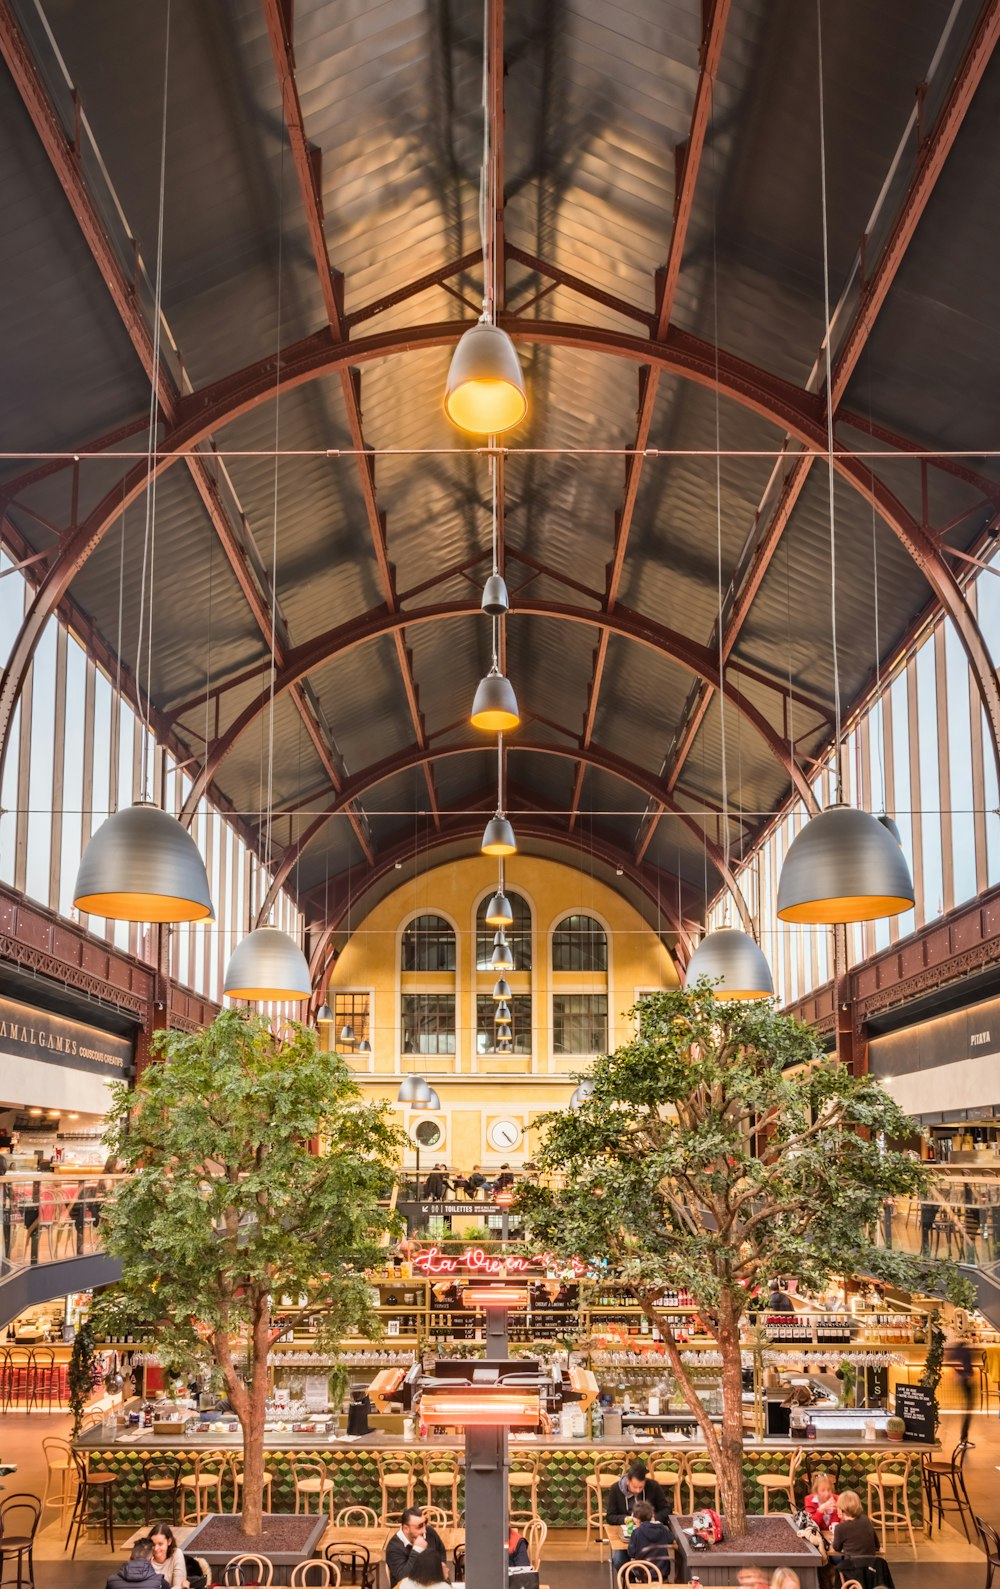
257,1178
721,1148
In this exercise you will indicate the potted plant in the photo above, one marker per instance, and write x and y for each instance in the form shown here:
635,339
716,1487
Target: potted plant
895,1429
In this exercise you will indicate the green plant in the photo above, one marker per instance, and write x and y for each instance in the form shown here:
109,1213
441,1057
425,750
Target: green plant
895,1428
720,1147
83,1373
930,1379
848,1374
227,1211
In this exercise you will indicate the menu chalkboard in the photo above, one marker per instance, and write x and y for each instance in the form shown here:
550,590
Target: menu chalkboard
918,1410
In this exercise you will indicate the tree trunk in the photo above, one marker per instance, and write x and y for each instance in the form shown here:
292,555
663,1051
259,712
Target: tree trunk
733,1503
253,1427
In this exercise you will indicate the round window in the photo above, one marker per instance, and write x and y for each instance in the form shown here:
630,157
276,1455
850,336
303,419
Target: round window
428,1133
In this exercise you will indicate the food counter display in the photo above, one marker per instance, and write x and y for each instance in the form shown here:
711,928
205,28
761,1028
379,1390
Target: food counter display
563,1465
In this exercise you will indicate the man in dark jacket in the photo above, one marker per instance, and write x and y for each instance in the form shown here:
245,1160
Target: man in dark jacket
138,1572
651,1541
436,1185
634,1486
412,1539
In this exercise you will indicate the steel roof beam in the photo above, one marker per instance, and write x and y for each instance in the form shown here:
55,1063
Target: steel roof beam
308,167
649,377
933,155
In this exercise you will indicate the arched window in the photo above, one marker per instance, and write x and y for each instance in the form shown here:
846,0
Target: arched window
518,935
579,943
428,944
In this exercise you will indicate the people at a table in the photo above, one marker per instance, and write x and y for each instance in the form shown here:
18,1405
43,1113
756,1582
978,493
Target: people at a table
821,1505
477,1181
634,1486
651,1540
504,1180
854,1536
168,1558
138,1572
425,1572
437,1184
413,1537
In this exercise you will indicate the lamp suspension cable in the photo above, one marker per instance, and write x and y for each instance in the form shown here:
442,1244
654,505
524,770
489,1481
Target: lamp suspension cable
828,363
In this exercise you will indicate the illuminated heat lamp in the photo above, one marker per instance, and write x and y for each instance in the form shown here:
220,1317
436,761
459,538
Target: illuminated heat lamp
482,1410
495,1297
503,1199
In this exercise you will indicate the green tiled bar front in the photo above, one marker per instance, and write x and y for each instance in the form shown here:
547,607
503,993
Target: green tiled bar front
563,1468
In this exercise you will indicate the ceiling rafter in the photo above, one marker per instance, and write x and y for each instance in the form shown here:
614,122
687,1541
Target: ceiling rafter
68,169
688,167
308,161
875,289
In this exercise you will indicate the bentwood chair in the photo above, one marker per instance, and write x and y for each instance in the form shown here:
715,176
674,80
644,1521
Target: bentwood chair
60,1475
355,1553
889,1497
441,1474
312,1478
949,1471
535,1535
315,1574
198,1486
160,1486
397,1471
700,1476
781,1483
607,1470
94,1502
247,1569
991,1545
236,1475
17,1544
666,1468
638,1572
522,1485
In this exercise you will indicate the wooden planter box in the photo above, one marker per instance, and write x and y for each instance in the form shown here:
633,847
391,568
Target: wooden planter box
288,1538
770,1542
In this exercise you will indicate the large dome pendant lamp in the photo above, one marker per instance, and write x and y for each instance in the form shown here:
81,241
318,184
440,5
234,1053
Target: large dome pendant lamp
267,965
141,865
844,865
734,963
413,1090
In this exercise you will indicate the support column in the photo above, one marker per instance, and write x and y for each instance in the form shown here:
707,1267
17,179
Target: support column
486,1495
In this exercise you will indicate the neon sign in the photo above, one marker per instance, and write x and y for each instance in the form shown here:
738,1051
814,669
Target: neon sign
432,1261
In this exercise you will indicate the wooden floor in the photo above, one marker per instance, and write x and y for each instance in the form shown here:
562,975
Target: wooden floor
947,1561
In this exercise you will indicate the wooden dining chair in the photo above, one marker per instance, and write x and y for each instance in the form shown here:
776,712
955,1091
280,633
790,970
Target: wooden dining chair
247,1569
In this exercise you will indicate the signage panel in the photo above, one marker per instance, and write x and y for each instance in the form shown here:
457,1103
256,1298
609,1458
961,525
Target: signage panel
29,1033
918,1410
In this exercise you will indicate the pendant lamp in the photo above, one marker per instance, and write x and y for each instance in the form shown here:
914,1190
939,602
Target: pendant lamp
141,865
502,959
432,1101
496,601
499,912
413,1089
843,866
494,706
501,992
267,965
485,388
498,837
347,1033
580,1094
736,965
325,1016
502,1012
364,1047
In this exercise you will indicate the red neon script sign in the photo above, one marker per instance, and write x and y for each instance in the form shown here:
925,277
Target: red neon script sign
432,1261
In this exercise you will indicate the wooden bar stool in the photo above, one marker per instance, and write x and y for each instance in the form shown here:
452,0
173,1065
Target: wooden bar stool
441,1475
312,1478
948,1471
41,1378
781,1483
200,1485
160,1484
236,1474
397,1471
522,1483
889,1497
60,1470
94,1485
700,1477
607,1470
666,1468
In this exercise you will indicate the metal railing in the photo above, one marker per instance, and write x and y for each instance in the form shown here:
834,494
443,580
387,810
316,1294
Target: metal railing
46,1218
958,1219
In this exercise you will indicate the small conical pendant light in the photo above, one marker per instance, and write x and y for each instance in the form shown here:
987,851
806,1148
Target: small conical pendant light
267,965
325,1016
496,601
581,1093
502,959
347,1033
141,865
485,389
413,1090
502,1012
431,1102
499,912
501,992
498,837
734,962
364,1047
844,866
494,708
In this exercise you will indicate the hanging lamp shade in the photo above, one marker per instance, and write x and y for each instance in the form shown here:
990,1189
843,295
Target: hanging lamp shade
432,1101
891,827
499,912
736,965
347,1033
498,837
843,866
502,959
580,1094
364,1047
496,600
501,992
325,1016
267,964
413,1089
485,388
494,706
141,865
502,1012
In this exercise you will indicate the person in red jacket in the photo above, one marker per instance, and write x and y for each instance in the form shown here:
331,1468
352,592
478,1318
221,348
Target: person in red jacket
822,1504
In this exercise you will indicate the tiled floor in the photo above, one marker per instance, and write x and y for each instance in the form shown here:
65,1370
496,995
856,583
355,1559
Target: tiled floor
945,1562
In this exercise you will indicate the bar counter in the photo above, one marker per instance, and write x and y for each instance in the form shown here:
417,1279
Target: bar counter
563,1464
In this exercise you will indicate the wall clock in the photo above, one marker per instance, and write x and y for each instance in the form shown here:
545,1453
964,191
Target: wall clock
503,1135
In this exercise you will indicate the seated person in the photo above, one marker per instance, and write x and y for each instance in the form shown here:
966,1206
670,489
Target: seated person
854,1535
517,1549
504,1180
138,1570
779,1301
425,1572
821,1505
436,1185
651,1541
477,1181
414,1537
632,1487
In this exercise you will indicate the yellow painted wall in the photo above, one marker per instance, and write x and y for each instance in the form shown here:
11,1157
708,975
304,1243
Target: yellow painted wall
477,1091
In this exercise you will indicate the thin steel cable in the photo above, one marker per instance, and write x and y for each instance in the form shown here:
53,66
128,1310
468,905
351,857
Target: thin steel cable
720,634
484,175
274,520
828,359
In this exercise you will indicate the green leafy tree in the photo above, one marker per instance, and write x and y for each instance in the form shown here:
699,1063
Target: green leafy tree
256,1175
721,1148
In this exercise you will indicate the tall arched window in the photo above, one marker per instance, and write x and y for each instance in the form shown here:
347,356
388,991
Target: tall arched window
579,943
428,944
518,935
